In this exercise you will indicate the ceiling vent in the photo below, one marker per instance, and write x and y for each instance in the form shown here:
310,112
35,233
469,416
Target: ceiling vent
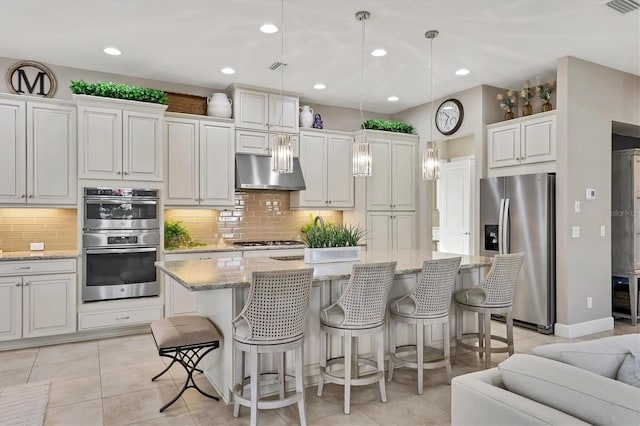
277,66
624,6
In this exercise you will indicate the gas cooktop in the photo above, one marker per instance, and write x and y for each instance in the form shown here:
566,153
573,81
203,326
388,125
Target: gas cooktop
267,243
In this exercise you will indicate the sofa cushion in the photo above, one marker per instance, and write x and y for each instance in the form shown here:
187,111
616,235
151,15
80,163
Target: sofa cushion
600,356
588,396
629,371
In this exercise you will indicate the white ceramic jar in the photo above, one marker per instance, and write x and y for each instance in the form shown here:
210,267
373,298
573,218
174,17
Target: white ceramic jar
306,116
218,105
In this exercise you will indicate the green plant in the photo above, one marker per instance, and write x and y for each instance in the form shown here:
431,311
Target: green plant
307,226
333,235
118,91
177,235
387,126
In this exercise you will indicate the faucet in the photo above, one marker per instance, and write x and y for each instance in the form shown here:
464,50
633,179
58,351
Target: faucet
315,222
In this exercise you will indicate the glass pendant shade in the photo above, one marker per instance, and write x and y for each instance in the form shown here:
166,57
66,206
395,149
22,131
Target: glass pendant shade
430,163
361,158
282,154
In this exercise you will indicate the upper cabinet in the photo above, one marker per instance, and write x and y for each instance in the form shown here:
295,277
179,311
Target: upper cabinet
325,159
119,139
522,141
254,109
260,143
38,145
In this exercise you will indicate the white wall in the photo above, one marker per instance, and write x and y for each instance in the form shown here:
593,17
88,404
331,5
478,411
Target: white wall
589,98
344,119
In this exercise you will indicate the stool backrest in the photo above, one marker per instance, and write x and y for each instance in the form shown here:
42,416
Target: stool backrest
500,282
364,301
432,294
277,304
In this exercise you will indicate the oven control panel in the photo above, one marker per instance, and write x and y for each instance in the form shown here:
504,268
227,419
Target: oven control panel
129,239
120,192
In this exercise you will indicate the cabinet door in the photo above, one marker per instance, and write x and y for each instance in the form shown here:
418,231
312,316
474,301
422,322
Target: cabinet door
248,142
313,162
142,146
13,160
504,145
455,207
100,143
339,171
51,154
404,230
379,231
183,174
217,176
283,113
538,142
404,175
180,301
379,183
10,308
250,109
49,305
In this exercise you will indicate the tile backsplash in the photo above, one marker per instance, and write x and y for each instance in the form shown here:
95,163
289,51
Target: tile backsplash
56,228
258,215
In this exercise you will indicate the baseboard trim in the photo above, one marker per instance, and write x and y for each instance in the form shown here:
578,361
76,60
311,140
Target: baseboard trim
583,328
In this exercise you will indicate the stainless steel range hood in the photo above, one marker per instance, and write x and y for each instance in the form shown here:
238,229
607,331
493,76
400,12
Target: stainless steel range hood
254,172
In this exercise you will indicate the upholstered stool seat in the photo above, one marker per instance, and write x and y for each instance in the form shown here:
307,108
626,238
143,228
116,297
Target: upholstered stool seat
186,340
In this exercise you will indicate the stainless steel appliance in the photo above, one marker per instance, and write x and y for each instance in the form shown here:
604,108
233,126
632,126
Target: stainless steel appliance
517,214
254,172
120,208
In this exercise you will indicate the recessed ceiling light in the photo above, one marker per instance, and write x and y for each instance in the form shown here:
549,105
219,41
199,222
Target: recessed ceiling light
393,98
112,51
227,70
269,29
319,86
379,52
462,71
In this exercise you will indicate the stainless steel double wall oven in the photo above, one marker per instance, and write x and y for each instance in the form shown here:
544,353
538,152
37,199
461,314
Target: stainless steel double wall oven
120,243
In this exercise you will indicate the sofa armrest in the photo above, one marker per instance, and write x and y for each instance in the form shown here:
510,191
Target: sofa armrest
480,399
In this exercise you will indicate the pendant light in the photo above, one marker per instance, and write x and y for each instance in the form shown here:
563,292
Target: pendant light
430,156
282,152
361,148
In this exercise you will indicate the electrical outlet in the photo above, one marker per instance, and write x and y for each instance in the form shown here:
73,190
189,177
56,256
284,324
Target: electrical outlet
577,207
575,232
603,231
589,302
36,246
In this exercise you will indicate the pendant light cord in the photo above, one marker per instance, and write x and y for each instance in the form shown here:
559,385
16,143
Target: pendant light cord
433,121
362,74
283,63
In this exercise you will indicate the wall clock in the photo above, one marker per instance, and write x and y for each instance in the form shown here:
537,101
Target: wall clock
449,116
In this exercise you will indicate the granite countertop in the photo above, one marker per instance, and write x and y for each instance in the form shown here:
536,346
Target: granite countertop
38,255
212,274
231,247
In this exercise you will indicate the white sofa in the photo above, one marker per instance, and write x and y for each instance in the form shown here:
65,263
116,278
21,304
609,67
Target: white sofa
561,384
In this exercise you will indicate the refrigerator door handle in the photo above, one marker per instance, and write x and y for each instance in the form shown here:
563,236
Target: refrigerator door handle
505,231
501,226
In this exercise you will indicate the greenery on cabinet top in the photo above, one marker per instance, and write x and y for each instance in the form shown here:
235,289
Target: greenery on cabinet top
118,91
388,126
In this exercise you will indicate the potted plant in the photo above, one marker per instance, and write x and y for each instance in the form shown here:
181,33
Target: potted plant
176,235
332,243
387,126
118,91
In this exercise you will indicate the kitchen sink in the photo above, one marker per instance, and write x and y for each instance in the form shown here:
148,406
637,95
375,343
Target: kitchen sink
298,257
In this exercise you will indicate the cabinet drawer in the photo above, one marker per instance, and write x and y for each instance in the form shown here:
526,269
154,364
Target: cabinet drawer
92,320
61,266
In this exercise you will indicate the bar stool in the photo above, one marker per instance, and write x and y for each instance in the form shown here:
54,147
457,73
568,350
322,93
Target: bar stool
428,304
493,296
272,321
186,340
357,313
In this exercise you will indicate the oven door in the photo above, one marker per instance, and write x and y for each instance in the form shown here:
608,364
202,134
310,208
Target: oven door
118,273
120,213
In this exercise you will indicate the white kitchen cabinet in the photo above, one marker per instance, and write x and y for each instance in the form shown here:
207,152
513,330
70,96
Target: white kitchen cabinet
260,143
391,230
522,141
37,298
258,109
200,162
119,139
325,159
38,143
283,113
455,203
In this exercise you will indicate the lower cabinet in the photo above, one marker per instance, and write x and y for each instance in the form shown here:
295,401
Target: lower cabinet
38,304
391,230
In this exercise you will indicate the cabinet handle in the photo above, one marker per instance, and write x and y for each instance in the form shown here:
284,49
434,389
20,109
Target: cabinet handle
205,258
122,318
30,196
118,173
22,196
23,268
126,173
394,205
329,201
18,285
27,283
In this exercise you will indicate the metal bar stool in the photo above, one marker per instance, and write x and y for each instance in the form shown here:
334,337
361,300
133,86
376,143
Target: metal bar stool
358,312
186,340
493,296
426,304
272,321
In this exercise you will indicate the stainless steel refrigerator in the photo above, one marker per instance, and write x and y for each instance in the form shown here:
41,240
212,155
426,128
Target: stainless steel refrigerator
517,214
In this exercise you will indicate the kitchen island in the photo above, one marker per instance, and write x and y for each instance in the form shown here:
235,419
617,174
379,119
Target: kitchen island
223,285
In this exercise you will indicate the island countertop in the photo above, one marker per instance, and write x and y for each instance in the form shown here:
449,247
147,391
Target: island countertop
212,274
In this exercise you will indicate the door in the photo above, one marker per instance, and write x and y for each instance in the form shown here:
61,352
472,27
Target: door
404,230
530,231
491,197
538,140
403,175
454,190
379,188
251,110
379,231
100,147
248,142
183,174
49,305
51,154
504,145
13,161
217,177
142,146
10,308
339,171
283,113
313,162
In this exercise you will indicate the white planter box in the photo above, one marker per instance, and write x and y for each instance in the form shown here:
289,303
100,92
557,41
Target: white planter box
331,254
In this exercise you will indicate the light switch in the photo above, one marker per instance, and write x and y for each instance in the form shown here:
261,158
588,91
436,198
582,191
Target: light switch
603,231
577,207
36,246
575,232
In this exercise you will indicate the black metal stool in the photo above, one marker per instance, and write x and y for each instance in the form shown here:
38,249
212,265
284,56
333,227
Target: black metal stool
186,340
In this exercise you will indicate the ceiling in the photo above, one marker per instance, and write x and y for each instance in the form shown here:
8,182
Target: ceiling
503,43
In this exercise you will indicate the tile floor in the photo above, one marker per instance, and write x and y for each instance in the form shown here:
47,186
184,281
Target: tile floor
108,382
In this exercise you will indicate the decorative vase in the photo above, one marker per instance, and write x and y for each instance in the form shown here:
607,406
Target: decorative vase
546,106
508,115
526,109
218,105
306,116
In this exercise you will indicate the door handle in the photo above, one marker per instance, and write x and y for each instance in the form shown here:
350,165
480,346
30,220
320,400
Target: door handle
23,268
500,226
505,232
